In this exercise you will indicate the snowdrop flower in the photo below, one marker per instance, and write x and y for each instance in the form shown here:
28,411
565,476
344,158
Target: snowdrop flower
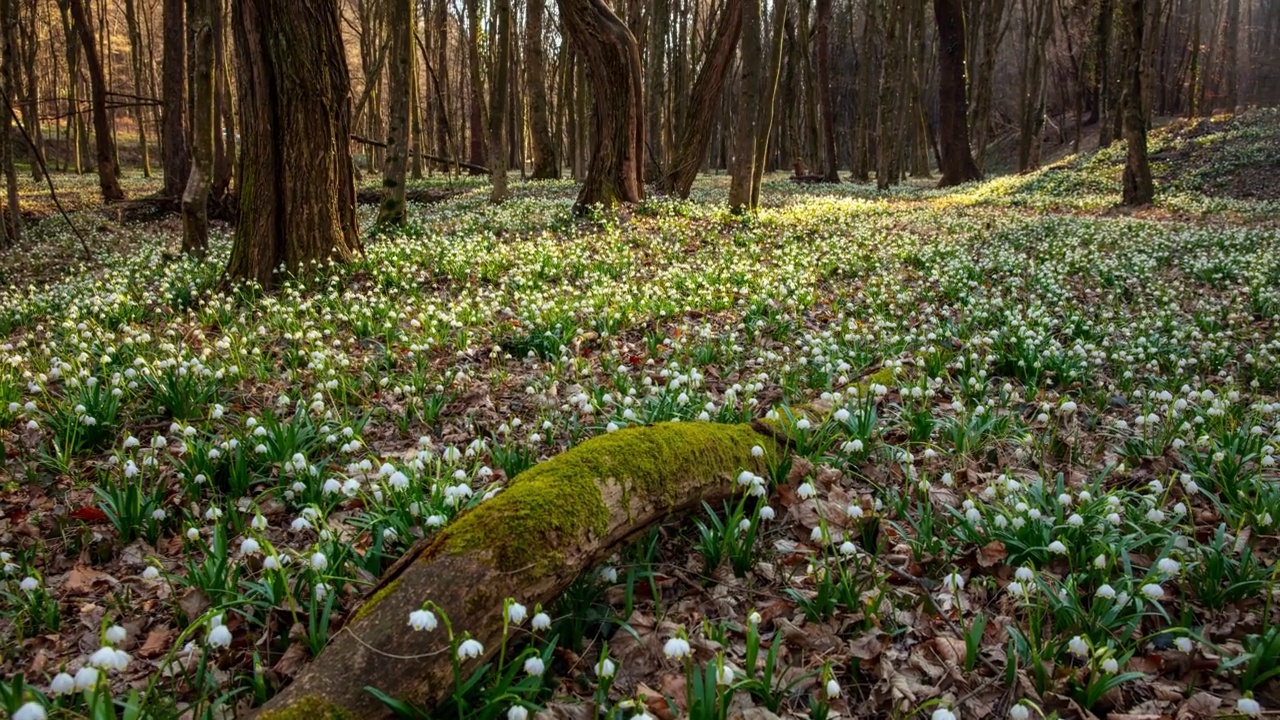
422,620
1024,574
767,513
116,634
953,582
832,689
62,684
1078,646
1075,520
319,561
1110,666
677,647
1152,591
516,613
86,678
943,714
1248,706
606,668
270,562
1057,547
249,546
1169,566
470,648
219,636
1106,591
399,481
805,491
534,666
30,711
854,511
541,621
29,584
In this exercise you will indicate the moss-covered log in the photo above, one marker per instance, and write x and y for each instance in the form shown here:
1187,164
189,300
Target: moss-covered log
529,542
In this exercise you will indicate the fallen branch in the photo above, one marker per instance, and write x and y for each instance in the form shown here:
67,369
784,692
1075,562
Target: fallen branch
433,158
529,542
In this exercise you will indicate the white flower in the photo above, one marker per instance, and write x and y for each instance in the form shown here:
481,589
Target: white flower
270,562
1169,566
29,584
1106,591
767,513
116,634
1184,644
517,712
754,618
1057,547
534,666
219,636
1019,712
1248,706
832,688
86,678
1066,408
1016,589
1024,574
249,546
606,668
1110,666
953,582
62,684
422,620
104,658
516,613
608,574
470,648
30,711
724,675
541,621
319,561
1078,646
805,491
757,451
677,647
1153,591
400,481
854,511
943,714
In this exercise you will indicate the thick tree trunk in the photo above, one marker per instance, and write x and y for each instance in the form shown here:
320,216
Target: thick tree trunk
31,108
177,163
1138,186
392,209
695,129
546,163
498,102
566,515
615,169
830,166
104,146
195,199
1230,56
886,133
655,83
476,109
297,190
11,218
1193,74
749,91
957,157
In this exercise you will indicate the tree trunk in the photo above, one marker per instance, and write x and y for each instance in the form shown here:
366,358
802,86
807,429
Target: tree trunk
224,120
953,108
498,101
1230,55
863,123
809,127
297,190
749,91
567,515
400,27
655,83
615,170
764,120
104,146
31,107
11,219
177,163
1033,83
830,166
195,199
695,128
135,64
1193,75
476,109
1138,187
886,133
546,164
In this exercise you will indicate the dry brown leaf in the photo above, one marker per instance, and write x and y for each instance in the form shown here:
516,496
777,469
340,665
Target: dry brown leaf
991,554
84,580
1200,705
193,603
292,661
867,646
157,643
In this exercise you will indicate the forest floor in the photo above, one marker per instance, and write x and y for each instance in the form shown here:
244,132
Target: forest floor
1034,445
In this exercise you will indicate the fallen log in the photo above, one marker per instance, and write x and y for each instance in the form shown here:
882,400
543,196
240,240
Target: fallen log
529,542
443,161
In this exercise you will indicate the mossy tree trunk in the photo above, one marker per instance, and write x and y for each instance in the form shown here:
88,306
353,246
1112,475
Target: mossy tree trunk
695,130
608,51
104,145
529,542
195,199
297,187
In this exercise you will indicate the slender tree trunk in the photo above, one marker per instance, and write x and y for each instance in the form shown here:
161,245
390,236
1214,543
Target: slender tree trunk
417,146
225,120
31,107
957,157
612,60
764,120
1032,111
830,165
1230,56
195,199
696,127
476,97
886,133
1138,186
863,124
749,99
297,188
11,219
1193,75
400,26
655,83
812,148
498,101
546,166
177,163
135,63
106,153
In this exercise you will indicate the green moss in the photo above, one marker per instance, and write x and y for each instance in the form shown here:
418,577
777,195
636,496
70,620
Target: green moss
376,598
562,499
308,707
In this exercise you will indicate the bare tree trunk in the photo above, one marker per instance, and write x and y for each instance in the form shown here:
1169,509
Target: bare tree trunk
177,163
615,172
886,133
195,199
863,124
105,147
830,165
957,157
1033,83
297,189
749,91
655,82
764,120
1138,186
546,164
476,97
696,126
11,219
224,144
1193,75
31,109
809,128
135,63
400,27
1230,56
498,100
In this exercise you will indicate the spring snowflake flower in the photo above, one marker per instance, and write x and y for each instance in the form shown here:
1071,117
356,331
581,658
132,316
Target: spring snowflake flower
422,620
517,712
516,613
470,648
116,634
606,668
62,684
399,481
1106,591
832,689
541,621
1057,547
953,582
753,618
1016,589
219,636
1019,712
1152,591
767,513
757,451
677,648
29,584
319,561
1169,566
86,678
270,562
30,711
608,574
1184,644
1078,646
1248,706
943,714
249,546
1110,666
805,491
534,666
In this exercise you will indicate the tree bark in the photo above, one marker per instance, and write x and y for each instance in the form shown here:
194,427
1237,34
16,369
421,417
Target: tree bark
11,219
498,102
195,199
695,128
593,499
953,111
177,162
749,91
546,163
135,64
1193,74
104,146
615,169
1230,56
764,120
30,46
1033,83
297,189
655,82
830,166
392,209
1138,186
476,109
